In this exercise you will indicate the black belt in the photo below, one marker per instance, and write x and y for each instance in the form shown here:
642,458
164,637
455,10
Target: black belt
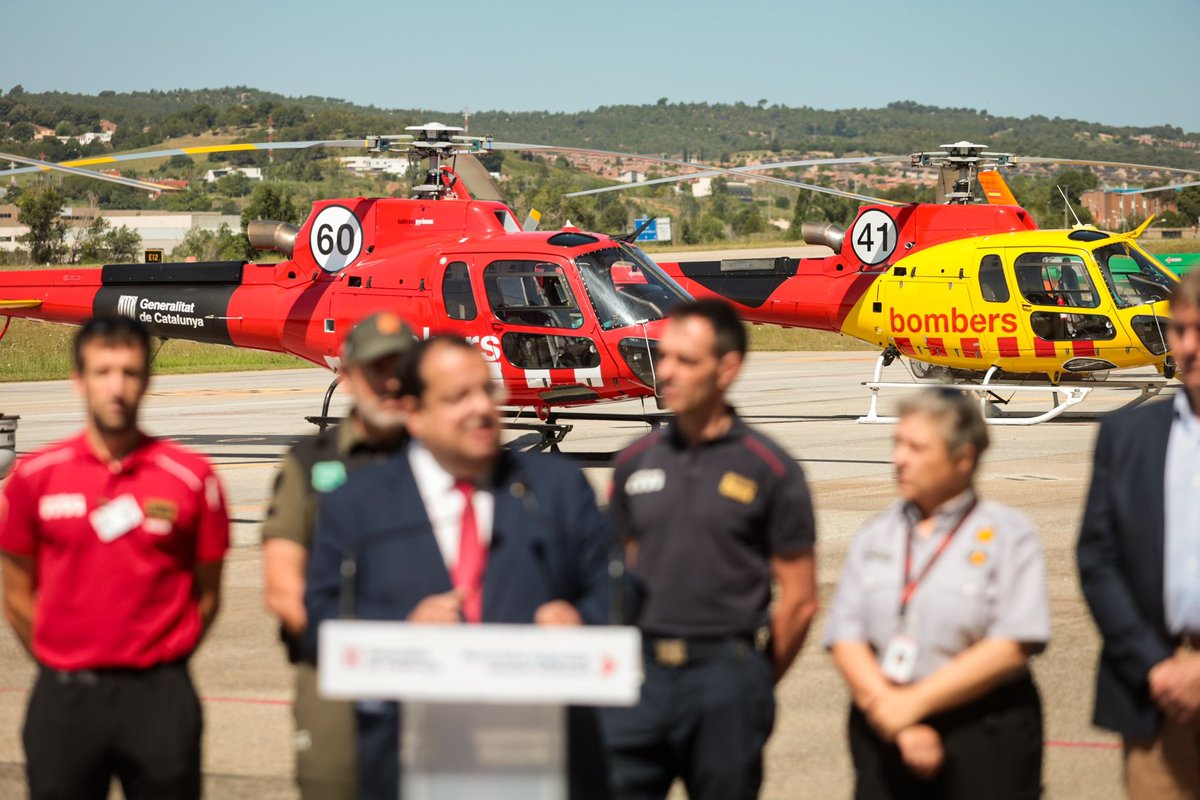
91,677
668,651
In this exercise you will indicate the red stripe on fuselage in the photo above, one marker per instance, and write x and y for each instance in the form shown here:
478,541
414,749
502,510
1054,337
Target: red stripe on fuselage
1008,347
1083,348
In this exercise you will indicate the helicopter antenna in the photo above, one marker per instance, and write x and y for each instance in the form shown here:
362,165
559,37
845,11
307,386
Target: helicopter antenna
630,238
1067,203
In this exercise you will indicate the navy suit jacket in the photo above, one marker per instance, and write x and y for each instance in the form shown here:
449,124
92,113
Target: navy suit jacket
1120,555
549,542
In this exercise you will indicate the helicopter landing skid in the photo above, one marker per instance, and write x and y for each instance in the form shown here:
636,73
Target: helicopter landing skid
553,429
1063,395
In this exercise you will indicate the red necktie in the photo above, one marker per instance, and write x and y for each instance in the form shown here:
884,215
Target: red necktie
472,558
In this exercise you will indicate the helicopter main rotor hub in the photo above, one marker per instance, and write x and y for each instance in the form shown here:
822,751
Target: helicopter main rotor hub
966,159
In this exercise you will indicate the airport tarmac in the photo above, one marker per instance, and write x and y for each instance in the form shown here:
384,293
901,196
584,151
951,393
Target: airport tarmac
808,401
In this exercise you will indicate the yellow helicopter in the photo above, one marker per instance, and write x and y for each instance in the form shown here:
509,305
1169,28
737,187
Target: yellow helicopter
970,294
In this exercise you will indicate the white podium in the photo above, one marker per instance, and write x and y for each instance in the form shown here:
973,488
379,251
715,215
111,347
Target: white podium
484,705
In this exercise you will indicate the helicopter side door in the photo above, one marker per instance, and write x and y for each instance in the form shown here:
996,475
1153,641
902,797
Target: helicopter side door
540,321
458,295
1062,308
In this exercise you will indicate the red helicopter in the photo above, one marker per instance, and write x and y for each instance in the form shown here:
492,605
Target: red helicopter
564,318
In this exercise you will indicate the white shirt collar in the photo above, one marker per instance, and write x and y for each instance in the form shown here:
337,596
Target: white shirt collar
1184,415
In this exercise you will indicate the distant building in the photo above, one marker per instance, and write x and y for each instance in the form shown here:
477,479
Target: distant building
1111,207
214,175
366,165
741,191
164,229
42,132
631,176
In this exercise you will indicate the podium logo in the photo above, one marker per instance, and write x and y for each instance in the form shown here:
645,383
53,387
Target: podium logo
351,656
127,306
952,321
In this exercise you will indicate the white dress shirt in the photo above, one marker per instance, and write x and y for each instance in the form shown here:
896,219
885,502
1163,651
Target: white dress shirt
1181,538
444,503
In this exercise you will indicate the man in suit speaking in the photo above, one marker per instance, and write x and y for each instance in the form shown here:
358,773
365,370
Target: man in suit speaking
1139,564
456,530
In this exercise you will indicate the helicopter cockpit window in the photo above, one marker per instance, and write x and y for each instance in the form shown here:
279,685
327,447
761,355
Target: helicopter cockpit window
531,293
1057,327
992,284
1133,278
456,292
539,351
1055,279
626,287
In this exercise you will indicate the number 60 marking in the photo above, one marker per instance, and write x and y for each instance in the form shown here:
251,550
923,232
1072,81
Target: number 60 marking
335,238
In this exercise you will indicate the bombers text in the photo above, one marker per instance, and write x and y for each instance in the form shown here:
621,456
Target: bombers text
952,321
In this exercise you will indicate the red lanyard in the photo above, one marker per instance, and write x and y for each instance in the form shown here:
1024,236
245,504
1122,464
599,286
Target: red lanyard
910,583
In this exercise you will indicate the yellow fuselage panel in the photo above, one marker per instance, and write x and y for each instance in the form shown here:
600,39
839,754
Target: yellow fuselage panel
935,306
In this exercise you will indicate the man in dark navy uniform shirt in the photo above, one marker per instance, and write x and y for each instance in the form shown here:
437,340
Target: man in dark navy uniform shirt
710,511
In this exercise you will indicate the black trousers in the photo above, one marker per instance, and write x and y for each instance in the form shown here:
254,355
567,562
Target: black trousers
992,746
706,722
141,726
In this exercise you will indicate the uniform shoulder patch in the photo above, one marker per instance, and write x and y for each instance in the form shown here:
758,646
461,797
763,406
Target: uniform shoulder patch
159,508
738,488
326,476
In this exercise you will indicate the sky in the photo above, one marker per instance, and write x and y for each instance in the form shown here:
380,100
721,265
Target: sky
1118,63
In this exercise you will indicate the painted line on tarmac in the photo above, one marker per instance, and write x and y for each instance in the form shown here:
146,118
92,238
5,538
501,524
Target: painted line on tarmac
1083,745
254,701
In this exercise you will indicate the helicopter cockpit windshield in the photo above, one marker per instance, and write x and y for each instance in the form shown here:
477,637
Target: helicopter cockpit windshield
1133,278
626,287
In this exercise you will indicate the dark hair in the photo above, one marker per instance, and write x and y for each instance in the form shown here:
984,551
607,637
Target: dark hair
957,416
412,383
112,332
728,327
1187,292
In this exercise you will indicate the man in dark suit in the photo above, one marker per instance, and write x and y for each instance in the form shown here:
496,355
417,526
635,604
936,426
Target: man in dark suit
455,529
1139,564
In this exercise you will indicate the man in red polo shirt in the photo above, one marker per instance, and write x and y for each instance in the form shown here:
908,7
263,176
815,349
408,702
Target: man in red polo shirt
111,545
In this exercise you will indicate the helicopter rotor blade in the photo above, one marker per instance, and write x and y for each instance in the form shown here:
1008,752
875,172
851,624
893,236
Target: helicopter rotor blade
1161,188
750,175
532,221
749,171
35,165
1089,163
476,177
176,151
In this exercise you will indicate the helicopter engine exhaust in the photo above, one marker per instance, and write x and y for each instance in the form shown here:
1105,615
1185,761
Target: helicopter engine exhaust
825,233
268,234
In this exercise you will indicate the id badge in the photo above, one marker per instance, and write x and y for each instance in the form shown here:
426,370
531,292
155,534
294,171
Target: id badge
115,519
899,662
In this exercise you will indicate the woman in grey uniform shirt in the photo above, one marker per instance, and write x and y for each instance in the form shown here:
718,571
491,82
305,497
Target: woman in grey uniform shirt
941,602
